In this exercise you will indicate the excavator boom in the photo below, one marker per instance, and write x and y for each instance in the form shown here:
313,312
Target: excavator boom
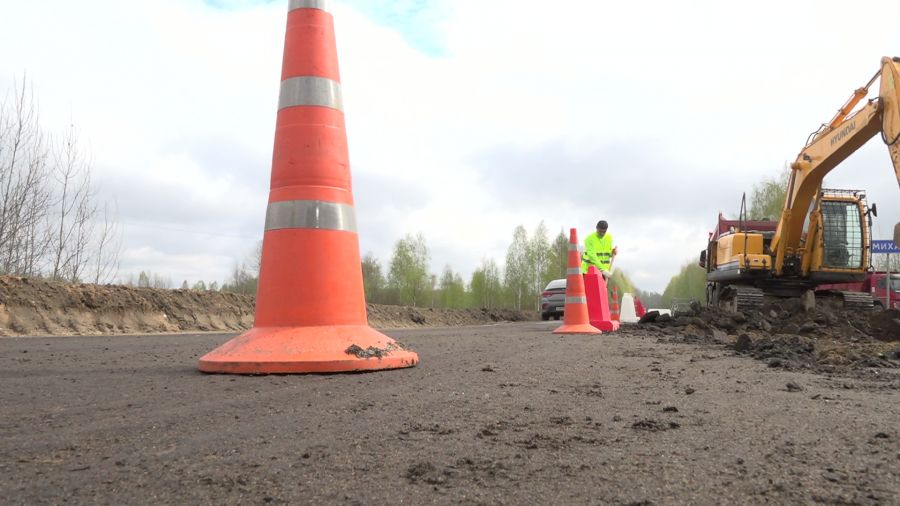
890,98
831,145
822,236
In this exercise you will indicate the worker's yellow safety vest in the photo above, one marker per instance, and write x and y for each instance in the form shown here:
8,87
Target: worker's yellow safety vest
597,252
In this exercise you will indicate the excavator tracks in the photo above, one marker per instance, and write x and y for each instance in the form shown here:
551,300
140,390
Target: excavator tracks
745,299
740,299
859,300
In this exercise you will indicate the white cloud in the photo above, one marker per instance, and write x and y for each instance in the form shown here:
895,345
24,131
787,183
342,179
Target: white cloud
654,115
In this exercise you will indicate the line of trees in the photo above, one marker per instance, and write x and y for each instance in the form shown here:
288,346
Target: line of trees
531,262
406,279
689,283
52,223
243,278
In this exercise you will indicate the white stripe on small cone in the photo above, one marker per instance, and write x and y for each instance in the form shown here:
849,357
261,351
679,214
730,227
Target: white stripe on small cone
627,314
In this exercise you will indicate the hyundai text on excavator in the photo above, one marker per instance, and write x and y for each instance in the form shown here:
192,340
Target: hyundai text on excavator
822,236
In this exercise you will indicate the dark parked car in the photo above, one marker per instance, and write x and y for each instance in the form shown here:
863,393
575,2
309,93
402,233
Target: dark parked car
553,299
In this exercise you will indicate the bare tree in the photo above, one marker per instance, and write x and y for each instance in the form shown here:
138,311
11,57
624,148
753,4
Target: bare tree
108,246
50,220
245,275
75,209
255,260
24,195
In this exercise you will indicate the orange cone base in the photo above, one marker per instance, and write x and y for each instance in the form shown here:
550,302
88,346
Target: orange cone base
583,328
607,325
282,350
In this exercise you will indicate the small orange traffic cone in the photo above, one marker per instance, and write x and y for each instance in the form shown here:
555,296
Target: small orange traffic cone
310,305
575,313
614,310
639,308
598,301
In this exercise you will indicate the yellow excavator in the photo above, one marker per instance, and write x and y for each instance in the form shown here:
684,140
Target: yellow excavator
822,235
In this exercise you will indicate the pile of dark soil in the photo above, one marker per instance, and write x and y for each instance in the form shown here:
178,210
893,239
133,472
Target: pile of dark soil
31,306
786,335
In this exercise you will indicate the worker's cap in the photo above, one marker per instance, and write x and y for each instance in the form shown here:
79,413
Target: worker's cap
602,225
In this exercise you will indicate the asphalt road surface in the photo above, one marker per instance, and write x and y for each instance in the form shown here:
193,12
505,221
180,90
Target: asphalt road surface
499,414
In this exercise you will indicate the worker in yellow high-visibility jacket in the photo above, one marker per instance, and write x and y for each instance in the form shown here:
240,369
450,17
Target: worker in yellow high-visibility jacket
599,250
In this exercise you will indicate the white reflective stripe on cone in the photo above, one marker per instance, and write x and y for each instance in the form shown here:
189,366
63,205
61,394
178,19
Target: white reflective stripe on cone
322,5
310,91
310,214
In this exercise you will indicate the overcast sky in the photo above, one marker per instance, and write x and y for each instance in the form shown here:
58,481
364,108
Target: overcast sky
465,118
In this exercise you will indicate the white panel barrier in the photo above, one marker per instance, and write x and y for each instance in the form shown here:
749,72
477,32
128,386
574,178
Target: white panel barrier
627,313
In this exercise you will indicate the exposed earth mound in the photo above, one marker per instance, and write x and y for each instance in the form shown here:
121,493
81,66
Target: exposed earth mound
30,306
825,338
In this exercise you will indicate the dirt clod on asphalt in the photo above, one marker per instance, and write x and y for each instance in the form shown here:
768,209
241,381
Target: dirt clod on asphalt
786,335
31,306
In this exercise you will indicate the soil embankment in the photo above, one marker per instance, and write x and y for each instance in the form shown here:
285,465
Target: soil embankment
30,306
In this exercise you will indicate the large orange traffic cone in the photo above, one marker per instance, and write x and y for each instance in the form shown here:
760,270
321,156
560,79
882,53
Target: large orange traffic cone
310,305
575,313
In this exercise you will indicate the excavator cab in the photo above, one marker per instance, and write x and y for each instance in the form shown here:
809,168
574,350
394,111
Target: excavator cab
844,229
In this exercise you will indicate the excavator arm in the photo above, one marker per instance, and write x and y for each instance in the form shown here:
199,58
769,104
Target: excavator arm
828,147
890,97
